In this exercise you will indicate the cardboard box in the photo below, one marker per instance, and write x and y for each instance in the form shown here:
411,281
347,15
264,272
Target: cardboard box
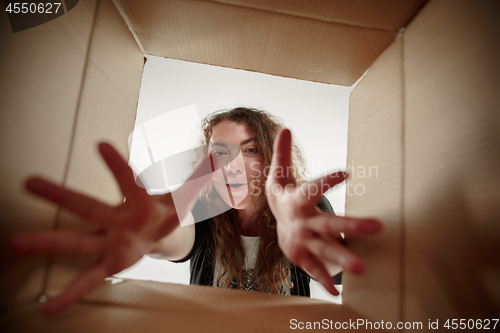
426,115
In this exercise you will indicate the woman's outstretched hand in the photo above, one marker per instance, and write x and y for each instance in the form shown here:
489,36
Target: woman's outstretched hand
307,236
123,233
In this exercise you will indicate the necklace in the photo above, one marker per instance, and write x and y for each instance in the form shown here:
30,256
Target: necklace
253,242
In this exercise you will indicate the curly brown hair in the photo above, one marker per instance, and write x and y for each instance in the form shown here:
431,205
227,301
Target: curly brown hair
271,268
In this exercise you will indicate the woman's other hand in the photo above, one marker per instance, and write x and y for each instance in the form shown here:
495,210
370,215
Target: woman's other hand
122,234
308,237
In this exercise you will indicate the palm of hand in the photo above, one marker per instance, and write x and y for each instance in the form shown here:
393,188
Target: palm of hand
123,234
308,237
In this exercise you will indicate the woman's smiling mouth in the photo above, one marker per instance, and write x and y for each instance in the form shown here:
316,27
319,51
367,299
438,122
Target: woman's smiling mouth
236,187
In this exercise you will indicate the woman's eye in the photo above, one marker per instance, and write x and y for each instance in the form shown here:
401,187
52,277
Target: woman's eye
252,150
219,153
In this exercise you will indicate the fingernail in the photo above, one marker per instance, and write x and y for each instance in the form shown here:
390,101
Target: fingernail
20,242
371,226
102,146
49,309
286,133
358,268
34,185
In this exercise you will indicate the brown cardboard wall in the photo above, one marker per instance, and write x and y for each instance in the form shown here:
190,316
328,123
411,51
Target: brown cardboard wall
443,151
140,306
256,40
106,112
377,14
452,162
426,116
41,73
374,188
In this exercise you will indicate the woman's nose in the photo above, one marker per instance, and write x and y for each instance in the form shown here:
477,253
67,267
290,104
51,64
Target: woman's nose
236,166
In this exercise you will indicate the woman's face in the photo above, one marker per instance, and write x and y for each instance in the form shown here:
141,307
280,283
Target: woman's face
239,164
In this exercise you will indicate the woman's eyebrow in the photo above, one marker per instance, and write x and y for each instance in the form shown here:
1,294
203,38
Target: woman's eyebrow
218,144
247,141
225,144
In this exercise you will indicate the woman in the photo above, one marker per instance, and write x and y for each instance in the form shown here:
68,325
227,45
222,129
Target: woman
276,214
241,242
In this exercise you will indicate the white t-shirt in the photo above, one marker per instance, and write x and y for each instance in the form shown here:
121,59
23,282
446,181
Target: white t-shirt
251,248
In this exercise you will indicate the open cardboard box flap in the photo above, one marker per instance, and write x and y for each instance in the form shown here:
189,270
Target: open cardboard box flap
426,115
325,41
132,306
